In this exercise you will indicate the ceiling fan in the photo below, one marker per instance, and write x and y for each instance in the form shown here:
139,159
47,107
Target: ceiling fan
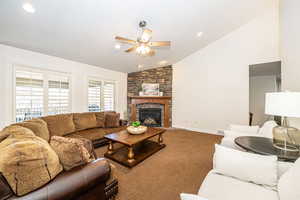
142,46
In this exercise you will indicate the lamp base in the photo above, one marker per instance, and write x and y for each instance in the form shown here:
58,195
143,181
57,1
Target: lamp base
283,147
286,138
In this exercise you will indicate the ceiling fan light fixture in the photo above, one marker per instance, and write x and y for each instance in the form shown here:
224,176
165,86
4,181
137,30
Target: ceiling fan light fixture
143,49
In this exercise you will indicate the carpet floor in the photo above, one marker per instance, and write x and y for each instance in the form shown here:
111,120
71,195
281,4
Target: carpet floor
180,167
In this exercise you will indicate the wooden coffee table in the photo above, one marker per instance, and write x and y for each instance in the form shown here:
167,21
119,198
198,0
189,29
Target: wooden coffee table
136,147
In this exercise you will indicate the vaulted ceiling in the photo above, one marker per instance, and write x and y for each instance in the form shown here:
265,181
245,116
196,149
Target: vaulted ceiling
84,30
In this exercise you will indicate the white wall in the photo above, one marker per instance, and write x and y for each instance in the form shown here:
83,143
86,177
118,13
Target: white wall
259,86
290,47
10,56
211,86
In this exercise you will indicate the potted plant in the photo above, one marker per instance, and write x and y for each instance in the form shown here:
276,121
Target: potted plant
136,128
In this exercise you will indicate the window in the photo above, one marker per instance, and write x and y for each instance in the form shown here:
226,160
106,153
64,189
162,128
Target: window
94,96
109,96
58,95
39,93
101,95
29,95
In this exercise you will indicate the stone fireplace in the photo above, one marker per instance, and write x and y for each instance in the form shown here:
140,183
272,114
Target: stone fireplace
151,111
150,116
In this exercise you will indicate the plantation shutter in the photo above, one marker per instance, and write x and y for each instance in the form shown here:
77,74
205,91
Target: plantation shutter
58,95
94,96
109,96
29,94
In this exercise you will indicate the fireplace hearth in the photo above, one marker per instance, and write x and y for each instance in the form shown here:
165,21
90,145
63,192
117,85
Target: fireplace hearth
150,117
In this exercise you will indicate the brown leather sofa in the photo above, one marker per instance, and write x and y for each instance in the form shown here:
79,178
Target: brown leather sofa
92,126
86,182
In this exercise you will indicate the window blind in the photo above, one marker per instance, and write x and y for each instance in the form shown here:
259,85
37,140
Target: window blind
58,95
29,93
109,96
94,96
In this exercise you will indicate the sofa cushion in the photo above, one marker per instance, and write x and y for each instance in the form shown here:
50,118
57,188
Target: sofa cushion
100,117
216,186
71,151
94,133
244,165
3,135
27,162
112,120
60,124
288,184
84,121
38,127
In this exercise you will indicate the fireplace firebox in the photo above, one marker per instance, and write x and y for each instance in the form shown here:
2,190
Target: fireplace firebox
150,117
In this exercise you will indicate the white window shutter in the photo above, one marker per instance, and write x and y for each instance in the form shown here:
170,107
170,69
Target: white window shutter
58,95
29,93
109,96
94,95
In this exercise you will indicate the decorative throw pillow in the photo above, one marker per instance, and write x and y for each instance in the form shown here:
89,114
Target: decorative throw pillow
246,166
267,129
288,184
112,120
27,162
84,121
71,151
184,196
100,117
60,124
38,127
242,128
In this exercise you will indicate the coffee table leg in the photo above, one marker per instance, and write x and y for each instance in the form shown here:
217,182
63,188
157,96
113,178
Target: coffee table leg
110,148
130,155
160,139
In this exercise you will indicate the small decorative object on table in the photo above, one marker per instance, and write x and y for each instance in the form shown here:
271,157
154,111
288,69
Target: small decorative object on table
136,128
285,104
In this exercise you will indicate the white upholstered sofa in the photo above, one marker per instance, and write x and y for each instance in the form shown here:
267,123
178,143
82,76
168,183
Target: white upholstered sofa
239,175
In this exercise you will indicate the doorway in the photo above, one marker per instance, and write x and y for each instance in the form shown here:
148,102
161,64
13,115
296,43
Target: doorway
263,78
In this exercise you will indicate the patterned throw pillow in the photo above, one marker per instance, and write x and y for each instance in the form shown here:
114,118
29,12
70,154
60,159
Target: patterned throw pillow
71,151
27,162
112,120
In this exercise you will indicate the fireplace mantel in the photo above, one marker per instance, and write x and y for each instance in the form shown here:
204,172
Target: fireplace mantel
164,100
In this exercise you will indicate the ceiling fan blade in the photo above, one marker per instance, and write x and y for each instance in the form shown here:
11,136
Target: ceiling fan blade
131,49
160,44
146,35
125,40
151,53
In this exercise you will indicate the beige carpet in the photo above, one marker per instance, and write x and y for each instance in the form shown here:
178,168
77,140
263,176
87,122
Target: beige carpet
180,167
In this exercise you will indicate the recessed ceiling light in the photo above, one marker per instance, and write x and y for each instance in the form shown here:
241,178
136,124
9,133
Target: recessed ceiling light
163,62
28,7
199,34
117,46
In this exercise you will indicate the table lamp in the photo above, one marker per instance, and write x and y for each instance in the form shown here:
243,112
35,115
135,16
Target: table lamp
284,104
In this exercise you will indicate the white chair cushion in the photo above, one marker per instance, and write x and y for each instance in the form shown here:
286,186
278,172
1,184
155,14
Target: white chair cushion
242,128
220,187
267,129
184,196
246,166
289,183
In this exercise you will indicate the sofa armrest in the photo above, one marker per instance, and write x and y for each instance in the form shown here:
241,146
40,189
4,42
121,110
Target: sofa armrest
244,128
123,122
72,184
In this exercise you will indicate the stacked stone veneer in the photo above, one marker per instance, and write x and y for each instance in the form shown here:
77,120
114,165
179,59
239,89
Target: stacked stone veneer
161,75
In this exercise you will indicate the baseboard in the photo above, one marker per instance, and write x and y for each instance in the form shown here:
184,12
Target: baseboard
209,131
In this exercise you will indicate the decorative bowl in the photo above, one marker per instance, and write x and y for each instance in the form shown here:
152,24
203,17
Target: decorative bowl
136,130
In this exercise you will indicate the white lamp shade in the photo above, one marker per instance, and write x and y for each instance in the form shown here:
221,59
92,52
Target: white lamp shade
286,104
